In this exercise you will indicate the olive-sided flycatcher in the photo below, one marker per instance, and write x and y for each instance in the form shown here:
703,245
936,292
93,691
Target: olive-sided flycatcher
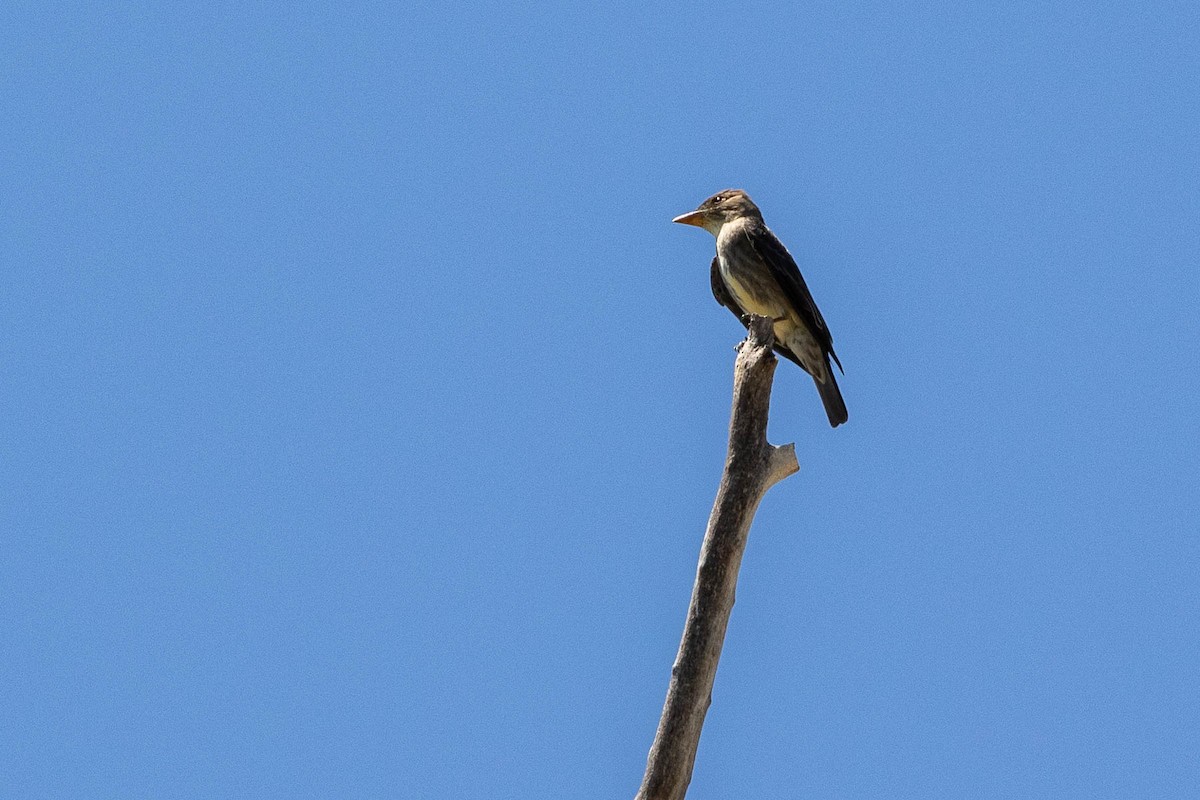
753,273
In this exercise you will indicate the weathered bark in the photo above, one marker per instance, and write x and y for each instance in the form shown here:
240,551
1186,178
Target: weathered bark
751,468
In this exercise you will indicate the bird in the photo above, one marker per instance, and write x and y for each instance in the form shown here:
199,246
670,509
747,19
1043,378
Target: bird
753,273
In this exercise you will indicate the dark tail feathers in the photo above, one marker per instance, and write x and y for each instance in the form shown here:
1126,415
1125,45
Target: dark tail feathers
831,396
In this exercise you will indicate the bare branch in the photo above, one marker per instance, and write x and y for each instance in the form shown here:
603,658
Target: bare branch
751,468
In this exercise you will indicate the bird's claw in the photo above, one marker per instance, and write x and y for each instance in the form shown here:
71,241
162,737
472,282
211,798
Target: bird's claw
745,318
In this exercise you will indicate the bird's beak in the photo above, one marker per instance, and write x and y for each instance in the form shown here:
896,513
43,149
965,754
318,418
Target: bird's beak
691,218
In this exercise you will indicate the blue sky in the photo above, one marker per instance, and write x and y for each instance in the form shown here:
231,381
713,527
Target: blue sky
363,410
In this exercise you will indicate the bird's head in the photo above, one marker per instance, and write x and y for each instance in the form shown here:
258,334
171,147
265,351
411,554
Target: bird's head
719,209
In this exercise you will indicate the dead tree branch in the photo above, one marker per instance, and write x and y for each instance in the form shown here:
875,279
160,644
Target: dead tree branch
751,468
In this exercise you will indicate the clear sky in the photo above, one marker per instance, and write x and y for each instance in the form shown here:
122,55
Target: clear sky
362,409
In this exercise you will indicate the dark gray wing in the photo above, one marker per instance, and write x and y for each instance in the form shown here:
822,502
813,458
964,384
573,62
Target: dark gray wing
721,292
787,274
